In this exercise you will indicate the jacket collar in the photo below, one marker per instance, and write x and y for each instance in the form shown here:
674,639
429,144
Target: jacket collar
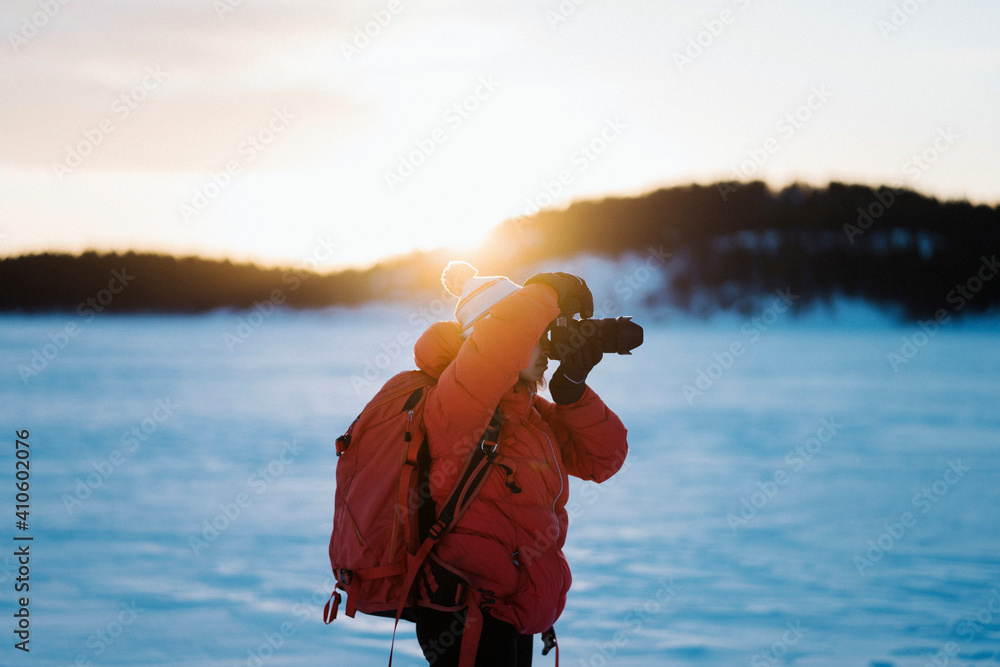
518,401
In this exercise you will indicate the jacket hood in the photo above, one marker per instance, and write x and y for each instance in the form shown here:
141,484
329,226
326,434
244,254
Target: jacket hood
437,347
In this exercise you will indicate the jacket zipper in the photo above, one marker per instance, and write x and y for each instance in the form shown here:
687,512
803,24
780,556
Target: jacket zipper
555,459
555,462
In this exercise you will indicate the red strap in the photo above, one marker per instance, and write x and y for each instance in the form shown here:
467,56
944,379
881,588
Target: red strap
416,562
390,570
409,485
473,630
393,644
471,480
352,597
330,610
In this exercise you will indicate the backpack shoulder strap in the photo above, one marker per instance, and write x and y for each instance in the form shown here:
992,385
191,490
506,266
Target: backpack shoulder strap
470,481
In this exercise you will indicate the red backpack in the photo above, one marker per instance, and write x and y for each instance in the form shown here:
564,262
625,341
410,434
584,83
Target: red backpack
385,524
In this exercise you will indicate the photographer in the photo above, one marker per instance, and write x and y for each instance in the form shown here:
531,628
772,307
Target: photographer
507,547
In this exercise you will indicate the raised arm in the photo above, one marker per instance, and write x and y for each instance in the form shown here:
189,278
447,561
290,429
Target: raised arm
592,439
488,363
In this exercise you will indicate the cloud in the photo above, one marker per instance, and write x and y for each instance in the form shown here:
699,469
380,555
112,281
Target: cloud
170,86
173,133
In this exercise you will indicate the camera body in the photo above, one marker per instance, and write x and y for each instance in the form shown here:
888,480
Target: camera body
617,335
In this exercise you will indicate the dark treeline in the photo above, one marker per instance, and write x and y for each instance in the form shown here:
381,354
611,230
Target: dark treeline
729,244
134,282
733,243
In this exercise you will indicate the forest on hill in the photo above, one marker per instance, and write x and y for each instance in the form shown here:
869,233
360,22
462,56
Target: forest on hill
729,244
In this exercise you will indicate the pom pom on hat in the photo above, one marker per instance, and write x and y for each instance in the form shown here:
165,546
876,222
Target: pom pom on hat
476,294
455,276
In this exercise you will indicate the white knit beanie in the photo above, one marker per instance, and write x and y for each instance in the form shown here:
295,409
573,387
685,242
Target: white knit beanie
476,294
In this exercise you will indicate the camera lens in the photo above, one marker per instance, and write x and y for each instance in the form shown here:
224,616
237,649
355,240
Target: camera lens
628,336
616,335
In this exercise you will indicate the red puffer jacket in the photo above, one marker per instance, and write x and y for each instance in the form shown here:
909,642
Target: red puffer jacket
510,542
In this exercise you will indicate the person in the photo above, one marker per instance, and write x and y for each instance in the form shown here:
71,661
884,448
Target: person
507,547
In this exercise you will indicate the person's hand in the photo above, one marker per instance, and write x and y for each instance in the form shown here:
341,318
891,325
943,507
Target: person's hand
573,294
569,381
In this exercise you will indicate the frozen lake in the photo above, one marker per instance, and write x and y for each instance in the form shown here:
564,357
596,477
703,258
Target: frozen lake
793,496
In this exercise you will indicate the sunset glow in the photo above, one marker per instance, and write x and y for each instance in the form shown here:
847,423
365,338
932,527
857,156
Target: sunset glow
253,131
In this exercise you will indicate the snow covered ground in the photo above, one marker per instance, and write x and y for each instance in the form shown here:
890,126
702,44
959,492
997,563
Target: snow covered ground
795,494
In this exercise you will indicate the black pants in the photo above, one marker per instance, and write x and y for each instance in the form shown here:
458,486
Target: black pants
440,637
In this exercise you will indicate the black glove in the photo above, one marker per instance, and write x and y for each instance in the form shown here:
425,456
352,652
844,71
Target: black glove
569,381
574,295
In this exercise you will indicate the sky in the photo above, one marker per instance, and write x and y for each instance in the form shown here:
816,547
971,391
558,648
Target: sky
337,134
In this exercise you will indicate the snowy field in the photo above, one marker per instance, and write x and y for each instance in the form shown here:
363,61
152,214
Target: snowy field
793,494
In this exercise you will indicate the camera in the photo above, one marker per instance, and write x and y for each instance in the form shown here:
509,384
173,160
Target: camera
617,335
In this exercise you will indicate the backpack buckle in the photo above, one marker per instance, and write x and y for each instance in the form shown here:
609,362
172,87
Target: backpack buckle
549,641
493,446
